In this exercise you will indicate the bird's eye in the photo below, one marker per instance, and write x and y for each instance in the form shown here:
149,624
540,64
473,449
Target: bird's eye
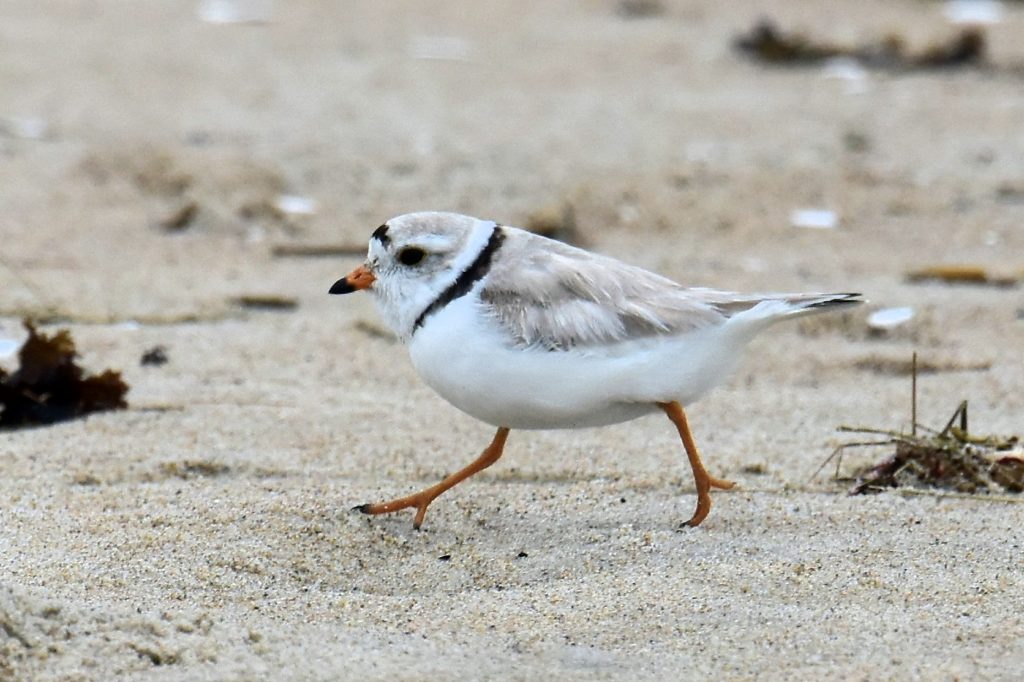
411,255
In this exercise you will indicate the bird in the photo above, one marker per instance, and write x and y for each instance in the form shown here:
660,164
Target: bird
525,332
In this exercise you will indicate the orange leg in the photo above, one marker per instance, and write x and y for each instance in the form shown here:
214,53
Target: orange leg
701,478
424,497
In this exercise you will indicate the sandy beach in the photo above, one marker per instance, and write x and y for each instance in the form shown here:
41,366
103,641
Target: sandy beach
159,169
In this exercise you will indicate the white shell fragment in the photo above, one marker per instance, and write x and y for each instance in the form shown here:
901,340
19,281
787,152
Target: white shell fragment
974,11
8,347
236,11
293,204
890,318
814,218
849,71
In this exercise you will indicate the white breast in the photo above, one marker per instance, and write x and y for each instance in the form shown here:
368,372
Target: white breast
465,356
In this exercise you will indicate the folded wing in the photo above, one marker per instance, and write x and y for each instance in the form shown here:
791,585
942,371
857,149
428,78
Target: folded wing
554,296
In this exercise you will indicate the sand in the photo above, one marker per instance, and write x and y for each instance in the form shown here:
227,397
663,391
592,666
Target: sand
206,532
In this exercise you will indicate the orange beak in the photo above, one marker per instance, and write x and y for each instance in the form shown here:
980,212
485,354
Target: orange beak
360,278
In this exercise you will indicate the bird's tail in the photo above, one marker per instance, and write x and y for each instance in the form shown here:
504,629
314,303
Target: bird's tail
776,307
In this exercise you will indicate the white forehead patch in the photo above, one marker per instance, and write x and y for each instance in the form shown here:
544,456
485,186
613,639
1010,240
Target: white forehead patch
375,250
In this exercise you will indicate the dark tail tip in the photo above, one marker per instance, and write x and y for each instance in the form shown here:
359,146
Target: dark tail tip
835,300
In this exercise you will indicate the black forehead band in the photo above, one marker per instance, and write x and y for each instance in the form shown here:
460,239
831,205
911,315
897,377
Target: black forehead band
381,235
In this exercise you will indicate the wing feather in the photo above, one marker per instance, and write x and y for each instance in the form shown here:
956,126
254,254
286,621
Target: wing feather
551,295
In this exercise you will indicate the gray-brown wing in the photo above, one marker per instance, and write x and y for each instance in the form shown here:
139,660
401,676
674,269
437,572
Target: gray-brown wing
555,296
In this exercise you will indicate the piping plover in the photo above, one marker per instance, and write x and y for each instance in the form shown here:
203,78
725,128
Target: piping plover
524,332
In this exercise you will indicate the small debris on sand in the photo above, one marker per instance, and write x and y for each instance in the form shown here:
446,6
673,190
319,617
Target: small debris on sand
767,43
294,204
154,357
952,459
890,318
181,217
814,218
962,274
266,302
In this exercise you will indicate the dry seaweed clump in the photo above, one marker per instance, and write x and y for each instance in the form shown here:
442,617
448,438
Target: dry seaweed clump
49,386
767,43
951,459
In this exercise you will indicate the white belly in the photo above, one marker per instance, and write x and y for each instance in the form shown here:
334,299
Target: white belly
465,358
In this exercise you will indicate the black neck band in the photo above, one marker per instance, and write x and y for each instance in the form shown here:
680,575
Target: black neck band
464,282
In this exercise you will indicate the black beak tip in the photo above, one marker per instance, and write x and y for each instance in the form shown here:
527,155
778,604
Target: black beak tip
341,287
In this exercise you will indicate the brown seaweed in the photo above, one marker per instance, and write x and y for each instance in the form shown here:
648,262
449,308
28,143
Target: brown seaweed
49,386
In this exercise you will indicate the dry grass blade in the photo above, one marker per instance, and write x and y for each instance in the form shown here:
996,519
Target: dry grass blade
837,454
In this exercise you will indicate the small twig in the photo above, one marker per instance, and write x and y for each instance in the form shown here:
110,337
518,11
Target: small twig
864,429
913,395
838,452
961,412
